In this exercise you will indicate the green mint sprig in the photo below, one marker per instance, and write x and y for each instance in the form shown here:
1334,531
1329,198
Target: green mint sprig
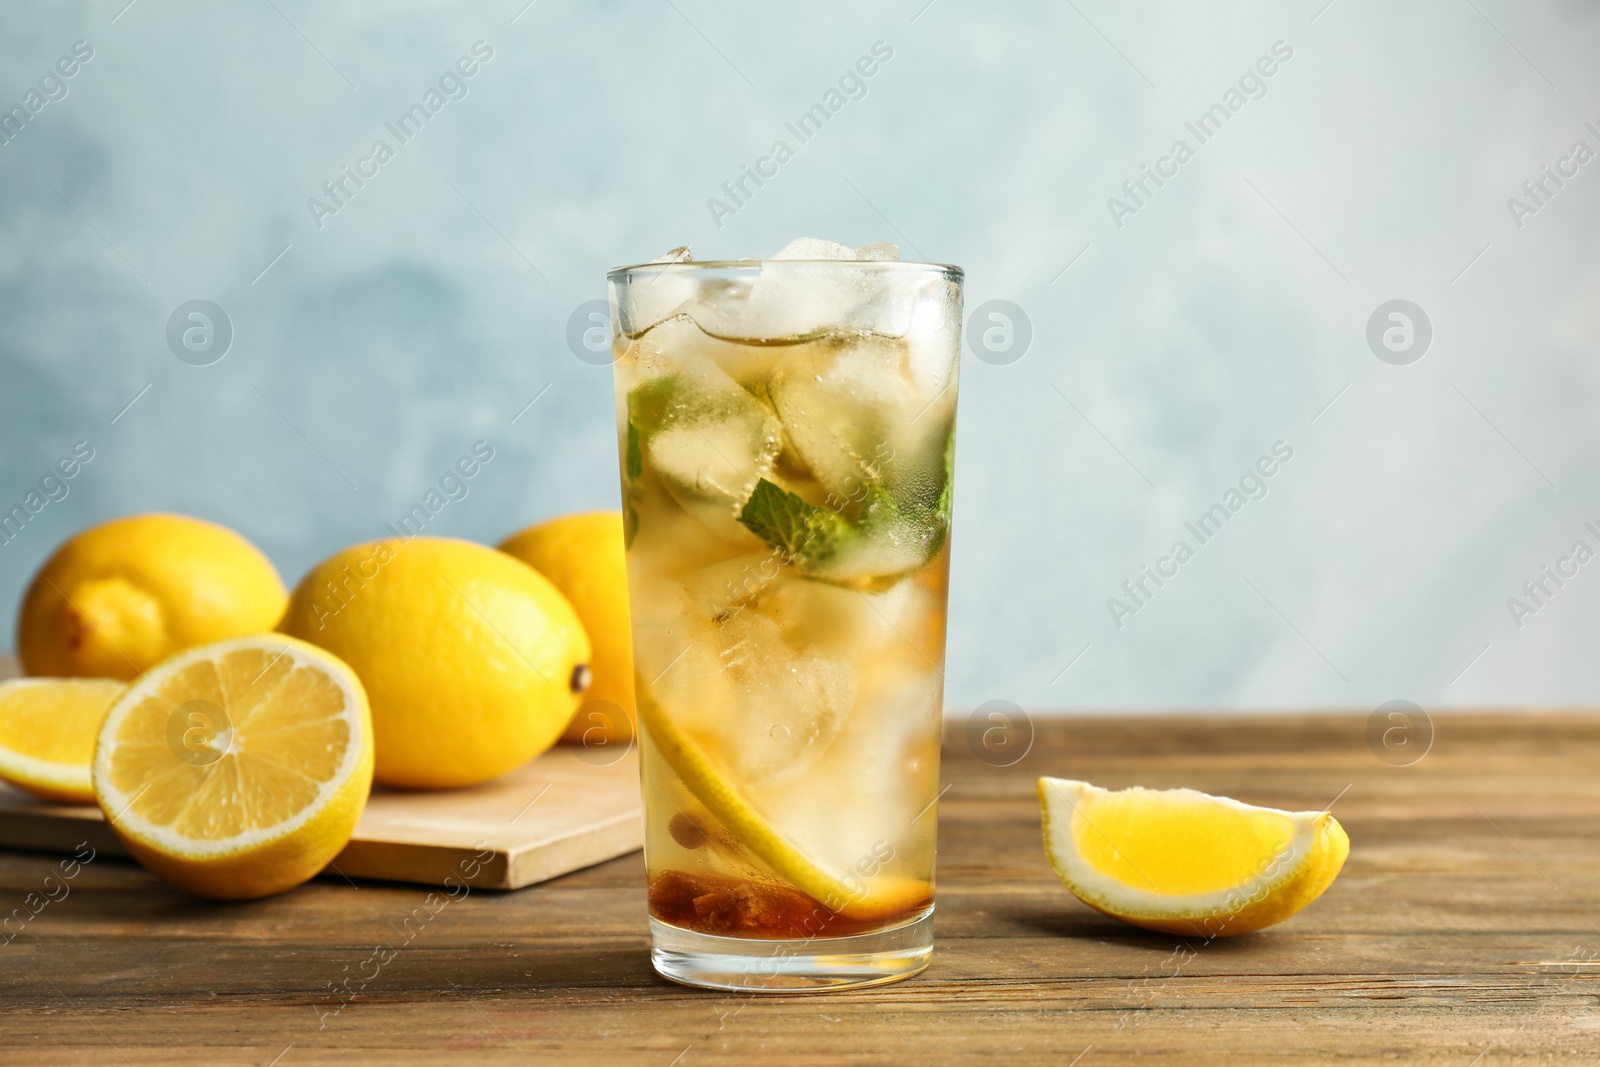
799,529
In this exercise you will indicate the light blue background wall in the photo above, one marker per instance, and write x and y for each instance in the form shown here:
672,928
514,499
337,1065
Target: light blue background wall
1222,317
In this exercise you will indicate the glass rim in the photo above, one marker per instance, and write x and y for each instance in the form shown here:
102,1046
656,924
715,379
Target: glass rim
948,269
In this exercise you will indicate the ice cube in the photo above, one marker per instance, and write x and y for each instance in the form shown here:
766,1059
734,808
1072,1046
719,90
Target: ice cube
684,338
762,708
803,298
706,439
733,307
854,414
845,622
815,248
922,310
698,464
806,289
933,343
728,586
788,704
846,404
794,296
819,248
885,758
882,250
664,624
654,296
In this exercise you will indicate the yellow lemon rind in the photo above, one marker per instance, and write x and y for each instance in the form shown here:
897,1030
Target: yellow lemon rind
118,597
1290,880
290,860
582,556
263,860
467,655
62,783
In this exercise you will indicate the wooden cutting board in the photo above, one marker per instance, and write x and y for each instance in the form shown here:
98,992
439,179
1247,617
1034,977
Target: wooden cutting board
568,809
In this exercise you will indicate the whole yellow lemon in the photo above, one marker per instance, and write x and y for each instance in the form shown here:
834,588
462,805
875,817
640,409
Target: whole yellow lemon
583,556
472,661
118,598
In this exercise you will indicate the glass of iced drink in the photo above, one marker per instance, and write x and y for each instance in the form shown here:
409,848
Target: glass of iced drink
787,437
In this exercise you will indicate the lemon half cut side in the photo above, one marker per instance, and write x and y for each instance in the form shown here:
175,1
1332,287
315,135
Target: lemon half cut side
237,769
47,732
1185,862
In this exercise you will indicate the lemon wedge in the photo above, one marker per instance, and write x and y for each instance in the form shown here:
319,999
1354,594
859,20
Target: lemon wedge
1185,862
237,769
882,895
47,732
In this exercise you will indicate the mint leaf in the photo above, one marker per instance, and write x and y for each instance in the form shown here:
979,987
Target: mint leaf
941,515
949,475
892,529
673,400
879,510
635,460
651,404
913,515
797,528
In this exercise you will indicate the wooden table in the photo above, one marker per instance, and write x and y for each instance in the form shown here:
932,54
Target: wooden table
1463,931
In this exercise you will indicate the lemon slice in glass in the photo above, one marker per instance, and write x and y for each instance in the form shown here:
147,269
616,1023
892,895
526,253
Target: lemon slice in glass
879,897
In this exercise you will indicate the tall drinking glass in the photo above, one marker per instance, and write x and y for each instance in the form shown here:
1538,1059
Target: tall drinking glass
787,438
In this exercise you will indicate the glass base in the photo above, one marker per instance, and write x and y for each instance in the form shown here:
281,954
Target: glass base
792,966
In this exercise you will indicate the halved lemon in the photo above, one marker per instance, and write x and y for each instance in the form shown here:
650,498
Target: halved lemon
237,769
1186,862
883,895
47,732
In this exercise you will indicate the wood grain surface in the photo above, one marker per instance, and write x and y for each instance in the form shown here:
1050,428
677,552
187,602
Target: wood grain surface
1462,932
568,809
